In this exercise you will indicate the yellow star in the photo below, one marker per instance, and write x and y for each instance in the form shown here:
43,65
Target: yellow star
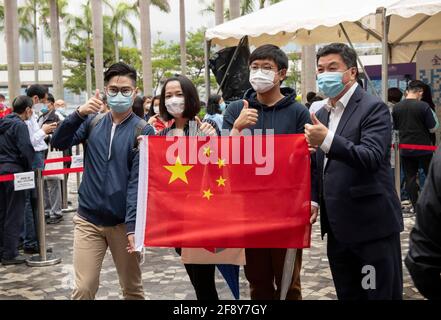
207,194
221,163
178,171
221,181
207,151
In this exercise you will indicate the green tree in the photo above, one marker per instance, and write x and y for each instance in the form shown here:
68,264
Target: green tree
78,49
293,76
24,31
122,19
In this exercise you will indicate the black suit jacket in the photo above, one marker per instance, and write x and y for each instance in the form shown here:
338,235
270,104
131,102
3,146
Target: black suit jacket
356,191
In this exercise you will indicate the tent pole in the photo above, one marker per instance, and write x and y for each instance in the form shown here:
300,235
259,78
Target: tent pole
359,60
207,70
416,51
385,61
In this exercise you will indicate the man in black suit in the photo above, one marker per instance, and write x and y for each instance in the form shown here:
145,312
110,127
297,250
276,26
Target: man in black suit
352,184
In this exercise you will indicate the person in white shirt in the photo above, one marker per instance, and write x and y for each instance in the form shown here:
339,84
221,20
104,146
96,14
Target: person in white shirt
38,94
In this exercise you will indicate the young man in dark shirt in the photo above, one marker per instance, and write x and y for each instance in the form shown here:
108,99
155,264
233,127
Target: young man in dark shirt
414,120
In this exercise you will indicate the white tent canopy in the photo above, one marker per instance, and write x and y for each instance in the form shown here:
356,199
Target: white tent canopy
318,21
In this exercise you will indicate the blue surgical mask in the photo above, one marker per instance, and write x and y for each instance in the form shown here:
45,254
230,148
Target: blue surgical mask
119,103
44,109
330,83
223,106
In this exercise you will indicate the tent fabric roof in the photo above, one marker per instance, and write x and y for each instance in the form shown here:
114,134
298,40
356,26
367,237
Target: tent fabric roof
317,21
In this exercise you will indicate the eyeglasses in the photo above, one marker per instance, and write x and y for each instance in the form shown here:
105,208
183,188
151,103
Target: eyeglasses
264,69
125,91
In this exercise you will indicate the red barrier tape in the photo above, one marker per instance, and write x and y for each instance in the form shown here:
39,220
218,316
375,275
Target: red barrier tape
7,177
417,147
55,160
10,177
61,171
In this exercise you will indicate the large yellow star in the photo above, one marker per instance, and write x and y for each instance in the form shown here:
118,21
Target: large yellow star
178,171
221,181
207,194
221,163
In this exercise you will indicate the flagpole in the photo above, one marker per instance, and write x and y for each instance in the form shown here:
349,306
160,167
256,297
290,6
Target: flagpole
288,270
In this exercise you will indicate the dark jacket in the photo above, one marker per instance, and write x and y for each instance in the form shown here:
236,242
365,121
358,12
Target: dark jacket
424,257
285,117
109,190
413,119
16,151
355,191
49,117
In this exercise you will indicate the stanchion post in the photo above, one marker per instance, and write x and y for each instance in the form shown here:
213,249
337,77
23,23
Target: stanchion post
397,165
77,152
44,259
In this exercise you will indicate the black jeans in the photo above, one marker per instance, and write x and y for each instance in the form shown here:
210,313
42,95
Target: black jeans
202,279
12,204
410,167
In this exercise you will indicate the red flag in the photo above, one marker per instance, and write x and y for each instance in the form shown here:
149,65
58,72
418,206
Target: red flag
224,192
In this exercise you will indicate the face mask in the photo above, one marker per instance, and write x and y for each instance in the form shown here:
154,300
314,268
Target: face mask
262,82
156,109
331,83
223,106
44,109
38,106
175,106
119,103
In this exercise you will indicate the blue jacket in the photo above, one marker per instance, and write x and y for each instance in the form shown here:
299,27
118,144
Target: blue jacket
355,191
109,190
16,150
285,117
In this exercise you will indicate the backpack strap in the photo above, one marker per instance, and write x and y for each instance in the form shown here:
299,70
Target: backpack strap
138,131
93,123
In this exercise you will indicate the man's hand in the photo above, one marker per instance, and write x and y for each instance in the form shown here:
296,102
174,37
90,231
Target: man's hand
316,133
49,128
247,118
314,214
131,243
94,105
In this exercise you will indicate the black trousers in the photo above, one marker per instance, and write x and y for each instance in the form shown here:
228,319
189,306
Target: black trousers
410,166
12,204
367,271
202,279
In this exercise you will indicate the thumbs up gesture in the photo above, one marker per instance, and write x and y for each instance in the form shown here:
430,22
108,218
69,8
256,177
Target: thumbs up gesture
247,118
316,133
92,106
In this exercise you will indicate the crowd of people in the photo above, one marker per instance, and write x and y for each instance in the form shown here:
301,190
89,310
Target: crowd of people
349,136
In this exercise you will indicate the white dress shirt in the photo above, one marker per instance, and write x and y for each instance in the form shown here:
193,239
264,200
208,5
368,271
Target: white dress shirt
316,106
36,134
336,112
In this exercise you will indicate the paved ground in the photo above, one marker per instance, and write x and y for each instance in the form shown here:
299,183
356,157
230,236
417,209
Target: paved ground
163,274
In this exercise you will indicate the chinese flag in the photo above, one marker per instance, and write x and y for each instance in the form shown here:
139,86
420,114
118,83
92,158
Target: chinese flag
224,192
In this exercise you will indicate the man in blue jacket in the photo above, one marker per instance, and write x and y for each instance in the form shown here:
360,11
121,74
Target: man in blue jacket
16,155
108,192
352,182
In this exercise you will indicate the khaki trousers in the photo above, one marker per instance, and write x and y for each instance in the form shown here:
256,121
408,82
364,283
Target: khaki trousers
264,270
90,246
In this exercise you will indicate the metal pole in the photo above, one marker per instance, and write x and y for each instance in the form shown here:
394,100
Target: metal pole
385,62
44,259
288,270
397,165
207,47
77,152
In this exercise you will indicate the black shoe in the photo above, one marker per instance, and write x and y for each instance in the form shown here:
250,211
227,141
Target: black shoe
17,260
54,220
35,250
